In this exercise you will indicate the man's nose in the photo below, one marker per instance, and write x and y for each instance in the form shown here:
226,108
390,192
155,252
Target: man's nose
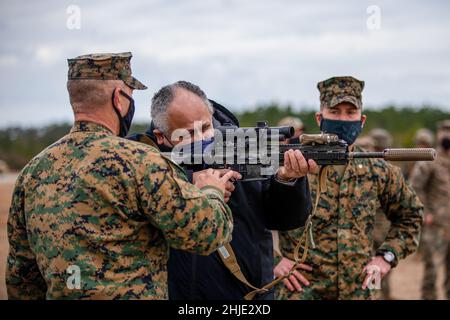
344,117
208,134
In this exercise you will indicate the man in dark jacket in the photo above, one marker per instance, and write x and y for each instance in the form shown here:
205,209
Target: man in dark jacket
281,202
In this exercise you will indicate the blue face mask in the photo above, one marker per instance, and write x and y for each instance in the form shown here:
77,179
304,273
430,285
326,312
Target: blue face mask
202,146
345,130
195,147
198,151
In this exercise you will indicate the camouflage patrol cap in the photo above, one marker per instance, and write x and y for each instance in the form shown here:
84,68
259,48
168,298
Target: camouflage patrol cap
424,136
104,66
336,90
365,142
381,138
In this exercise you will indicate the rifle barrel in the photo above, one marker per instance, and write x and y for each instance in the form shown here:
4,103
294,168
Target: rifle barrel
400,154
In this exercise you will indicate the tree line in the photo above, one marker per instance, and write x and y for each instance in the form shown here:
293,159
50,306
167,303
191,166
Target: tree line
18,145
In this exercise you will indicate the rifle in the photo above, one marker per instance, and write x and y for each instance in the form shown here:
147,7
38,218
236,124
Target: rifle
256,152
238,152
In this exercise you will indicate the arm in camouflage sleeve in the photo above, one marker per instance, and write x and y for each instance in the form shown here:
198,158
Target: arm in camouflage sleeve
405,211
23,278
420,177
191,219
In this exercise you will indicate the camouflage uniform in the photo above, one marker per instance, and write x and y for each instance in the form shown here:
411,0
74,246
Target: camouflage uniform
110,207
424,138
382,140
343,223
104,66
431,180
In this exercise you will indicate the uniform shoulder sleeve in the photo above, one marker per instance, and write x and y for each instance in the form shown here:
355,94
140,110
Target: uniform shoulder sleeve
402,207
23,278
190,219
420,176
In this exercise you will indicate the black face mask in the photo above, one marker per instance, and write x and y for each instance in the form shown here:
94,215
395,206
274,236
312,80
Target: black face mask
445,143
125,121
345,130
164,148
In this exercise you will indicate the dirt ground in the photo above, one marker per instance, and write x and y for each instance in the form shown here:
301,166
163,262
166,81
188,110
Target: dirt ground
405,280
6,187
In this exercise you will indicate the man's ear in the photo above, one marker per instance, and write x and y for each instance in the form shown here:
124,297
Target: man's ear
318,118
363,120
159,136
116,101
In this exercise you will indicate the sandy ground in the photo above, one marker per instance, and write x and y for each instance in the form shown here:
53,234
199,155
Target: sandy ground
405,280
6,187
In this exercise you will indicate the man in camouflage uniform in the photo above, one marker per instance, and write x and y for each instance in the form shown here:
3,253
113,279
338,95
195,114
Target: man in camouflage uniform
342,265
424,138
103,205
382,140
431,180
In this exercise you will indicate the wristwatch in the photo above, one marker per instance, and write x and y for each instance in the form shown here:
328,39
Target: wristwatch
389,257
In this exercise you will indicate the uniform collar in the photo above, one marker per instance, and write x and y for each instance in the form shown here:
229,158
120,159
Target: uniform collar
87,126
356,167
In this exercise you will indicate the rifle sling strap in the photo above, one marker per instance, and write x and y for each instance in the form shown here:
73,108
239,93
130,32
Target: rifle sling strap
228,257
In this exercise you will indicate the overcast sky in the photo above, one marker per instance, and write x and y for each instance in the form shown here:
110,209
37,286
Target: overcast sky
240,52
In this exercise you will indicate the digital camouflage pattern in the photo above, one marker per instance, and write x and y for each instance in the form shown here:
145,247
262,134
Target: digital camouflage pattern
382,140
112,207
343,228
431,180
104,66
336,90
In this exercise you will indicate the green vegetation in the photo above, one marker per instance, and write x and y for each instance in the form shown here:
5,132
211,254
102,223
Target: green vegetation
19,145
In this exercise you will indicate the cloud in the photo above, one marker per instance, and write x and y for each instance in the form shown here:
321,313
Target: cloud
8,60
240,52
48,54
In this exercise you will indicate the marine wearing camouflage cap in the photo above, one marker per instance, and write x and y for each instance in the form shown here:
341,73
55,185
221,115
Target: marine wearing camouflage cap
424,137
336,90
431,180
340,258
104,66
106,206
382,138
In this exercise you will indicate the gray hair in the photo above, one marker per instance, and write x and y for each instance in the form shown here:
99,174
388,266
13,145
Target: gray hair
162,99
